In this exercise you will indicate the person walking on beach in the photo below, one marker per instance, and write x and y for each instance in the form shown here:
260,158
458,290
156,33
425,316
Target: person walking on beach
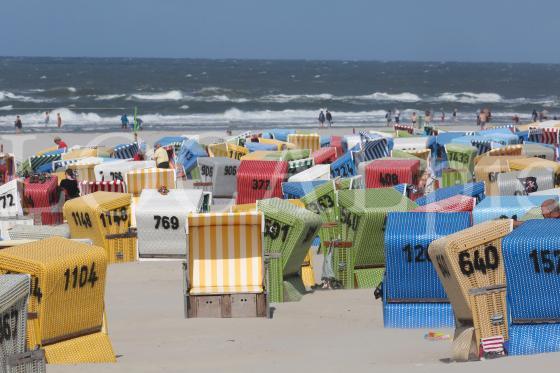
388,118
124,121
58,120
428,116
454,115
47,118
397,116
413,119
442,116
322,118
18,124
161,157
534,115
61,144
483,118
329,118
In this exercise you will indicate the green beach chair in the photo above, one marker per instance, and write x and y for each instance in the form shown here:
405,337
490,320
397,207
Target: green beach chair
289,231
461,157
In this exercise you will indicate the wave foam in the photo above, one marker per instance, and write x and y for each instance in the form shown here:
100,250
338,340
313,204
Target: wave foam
9,96
163,96
469,97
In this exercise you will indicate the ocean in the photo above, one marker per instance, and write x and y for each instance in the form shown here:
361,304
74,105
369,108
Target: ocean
92,93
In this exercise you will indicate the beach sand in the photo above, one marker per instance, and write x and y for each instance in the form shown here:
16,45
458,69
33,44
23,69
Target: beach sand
327,331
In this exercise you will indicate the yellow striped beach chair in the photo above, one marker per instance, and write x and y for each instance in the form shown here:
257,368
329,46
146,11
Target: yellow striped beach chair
150,178
311,141
224,274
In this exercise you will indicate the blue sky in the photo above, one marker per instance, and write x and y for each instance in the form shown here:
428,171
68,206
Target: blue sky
426,30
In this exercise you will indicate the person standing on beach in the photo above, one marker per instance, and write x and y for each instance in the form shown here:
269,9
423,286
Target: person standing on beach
322,118
47,118
124,122
58,120
483,118
442,116
454,115
329,118
397,116
161,157
388,118
534,115
18,124
413,119
428,116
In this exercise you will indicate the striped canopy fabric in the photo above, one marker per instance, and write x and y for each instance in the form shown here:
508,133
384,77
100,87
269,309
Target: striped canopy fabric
37,161
324,155
260,179
150,178
87,187
311,141
225,253
125,151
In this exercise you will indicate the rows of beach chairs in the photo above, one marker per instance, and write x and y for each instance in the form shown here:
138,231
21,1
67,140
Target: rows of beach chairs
448,229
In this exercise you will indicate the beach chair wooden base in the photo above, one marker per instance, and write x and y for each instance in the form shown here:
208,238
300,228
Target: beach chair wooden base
28,362
226,305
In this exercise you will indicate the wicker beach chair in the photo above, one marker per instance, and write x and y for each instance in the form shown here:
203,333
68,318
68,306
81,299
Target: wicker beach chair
543,151
506,207
387,172
105,218
470,266
297,189
160,221
125,151
289,231
317,172
413,296
66,307
117,170
533,162
531,259
451,177
362,216
11,199
38,232
43,198
324,155
150,178
77,153
311,141
471,189
486,169
218,175
188,155
299,165
344,166
115,186
260,179
522,183
224,274
461,157
280,145
14,355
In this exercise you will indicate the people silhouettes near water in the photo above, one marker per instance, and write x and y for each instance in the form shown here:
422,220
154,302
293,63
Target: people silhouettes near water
329,118
322,118
413,119
58,120
534,115
454,115
388,118
18,124
47,118
397,116
124,121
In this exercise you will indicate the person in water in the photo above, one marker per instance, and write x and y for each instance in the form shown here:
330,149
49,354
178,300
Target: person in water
18,124
58,120
329,118
124,121
47,118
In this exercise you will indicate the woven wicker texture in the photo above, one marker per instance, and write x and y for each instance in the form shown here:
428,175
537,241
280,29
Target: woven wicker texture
465,347
324,155
87,187
307,272
220,173
344,166
305,141
188,154
525,339
299,165
506,150
161,219
470,189
532,260
456,203
451,177
418,315
528,163
362,214
284,155
410,274
461,156
125,151
387,172
402,154
42,196
11,195
38,232
289,230
300,188
317,172
92,348
470,259
368,278
225,253
99,214
521,183
510,207
14,292
539,151
87,152
67,288
117,170
84,172
411,143
489,312
150,178
547,192
260,179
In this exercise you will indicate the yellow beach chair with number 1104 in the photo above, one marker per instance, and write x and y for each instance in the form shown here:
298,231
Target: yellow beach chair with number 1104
225,275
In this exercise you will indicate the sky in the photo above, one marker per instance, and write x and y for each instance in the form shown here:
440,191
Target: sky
418,30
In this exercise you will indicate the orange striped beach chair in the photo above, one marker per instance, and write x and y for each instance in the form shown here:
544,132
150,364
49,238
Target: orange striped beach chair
311,141
150,178
224,274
